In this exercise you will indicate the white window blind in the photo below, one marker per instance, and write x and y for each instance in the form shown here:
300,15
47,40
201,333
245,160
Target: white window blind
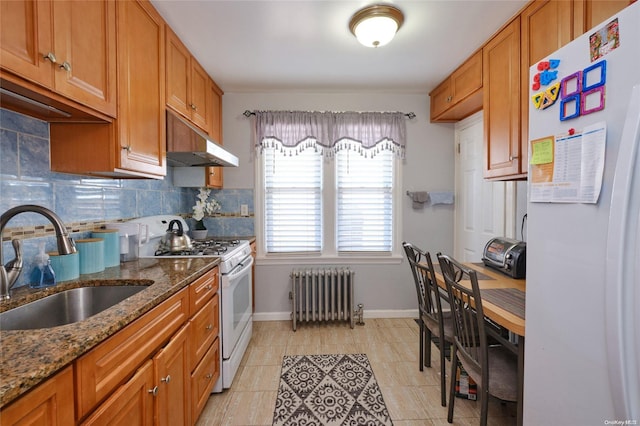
365,202
293,201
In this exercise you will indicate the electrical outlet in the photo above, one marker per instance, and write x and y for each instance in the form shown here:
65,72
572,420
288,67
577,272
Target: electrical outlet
244,210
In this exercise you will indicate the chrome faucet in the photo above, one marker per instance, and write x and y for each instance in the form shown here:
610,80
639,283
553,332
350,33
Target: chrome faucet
10,272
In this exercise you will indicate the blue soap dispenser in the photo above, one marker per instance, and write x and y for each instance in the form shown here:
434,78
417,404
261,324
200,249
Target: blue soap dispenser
43,275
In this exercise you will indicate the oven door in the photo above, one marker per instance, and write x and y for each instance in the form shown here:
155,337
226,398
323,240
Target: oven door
236,306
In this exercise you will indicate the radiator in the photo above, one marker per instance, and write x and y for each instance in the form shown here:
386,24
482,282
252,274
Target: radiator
321,294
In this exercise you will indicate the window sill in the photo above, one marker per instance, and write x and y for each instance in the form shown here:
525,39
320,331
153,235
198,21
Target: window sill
358,259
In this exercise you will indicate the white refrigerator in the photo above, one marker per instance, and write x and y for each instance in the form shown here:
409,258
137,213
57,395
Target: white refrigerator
582,346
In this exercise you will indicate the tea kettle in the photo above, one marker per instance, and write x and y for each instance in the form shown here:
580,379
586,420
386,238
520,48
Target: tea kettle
177,240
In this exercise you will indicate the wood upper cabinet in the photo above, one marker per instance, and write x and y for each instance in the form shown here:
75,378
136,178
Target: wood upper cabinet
133,145
460,95
546,26
187,84
215,175
501,104
68,47
589,13
51,403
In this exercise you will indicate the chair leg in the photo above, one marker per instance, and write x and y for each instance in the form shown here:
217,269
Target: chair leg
443,380
421,350
484,406
452,390
427,347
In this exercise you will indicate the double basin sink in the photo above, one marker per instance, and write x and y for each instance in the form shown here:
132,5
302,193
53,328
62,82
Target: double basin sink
66,307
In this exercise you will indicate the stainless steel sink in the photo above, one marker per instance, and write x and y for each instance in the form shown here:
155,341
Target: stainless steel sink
66,307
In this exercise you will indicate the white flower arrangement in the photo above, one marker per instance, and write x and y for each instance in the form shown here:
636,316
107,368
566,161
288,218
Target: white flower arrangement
204,206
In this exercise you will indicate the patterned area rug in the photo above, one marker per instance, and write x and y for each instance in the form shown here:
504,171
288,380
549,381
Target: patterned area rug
329,390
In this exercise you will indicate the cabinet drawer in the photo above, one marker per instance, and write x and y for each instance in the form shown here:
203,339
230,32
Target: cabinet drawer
203,378
109,364
202,290
204,330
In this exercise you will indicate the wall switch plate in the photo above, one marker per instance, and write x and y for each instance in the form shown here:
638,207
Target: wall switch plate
244,210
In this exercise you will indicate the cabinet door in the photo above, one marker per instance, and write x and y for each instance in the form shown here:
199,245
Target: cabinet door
141,68
178,75
201,97
545,27
214,177
590,13
441,99
172,376
501,104
131,404
468,78
216,112
85,47
26,37
51,403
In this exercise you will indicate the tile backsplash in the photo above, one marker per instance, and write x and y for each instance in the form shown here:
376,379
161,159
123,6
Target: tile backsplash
84,203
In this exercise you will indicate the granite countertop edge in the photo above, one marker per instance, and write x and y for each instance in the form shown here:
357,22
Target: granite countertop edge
29,357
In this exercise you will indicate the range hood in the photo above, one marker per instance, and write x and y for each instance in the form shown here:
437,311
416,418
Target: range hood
189,147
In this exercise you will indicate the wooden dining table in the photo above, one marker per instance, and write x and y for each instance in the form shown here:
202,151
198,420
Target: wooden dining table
503,301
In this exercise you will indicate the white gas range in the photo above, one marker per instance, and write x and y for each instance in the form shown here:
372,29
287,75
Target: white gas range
234,291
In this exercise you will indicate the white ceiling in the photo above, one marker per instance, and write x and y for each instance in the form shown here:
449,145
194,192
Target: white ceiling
306,45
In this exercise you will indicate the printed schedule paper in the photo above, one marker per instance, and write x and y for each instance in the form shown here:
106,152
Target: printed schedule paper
568,168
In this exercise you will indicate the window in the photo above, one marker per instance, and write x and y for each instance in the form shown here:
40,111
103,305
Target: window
328,185
365,202
350,196
292,202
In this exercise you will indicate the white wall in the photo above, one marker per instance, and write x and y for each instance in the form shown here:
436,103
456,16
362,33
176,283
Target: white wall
387,289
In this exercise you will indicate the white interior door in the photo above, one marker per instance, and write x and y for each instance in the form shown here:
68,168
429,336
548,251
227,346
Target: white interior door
480,209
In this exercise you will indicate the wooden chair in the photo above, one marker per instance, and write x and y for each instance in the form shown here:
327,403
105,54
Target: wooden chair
494,368
432,319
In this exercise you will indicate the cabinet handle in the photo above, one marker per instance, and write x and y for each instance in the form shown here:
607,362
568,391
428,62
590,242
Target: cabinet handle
209,327
209,287
209,376
50,57
513,157
193,107
449,99
166,379
65,66
127,148
153,391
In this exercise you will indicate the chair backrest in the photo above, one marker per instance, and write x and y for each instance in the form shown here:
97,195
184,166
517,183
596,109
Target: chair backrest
468,317
429,294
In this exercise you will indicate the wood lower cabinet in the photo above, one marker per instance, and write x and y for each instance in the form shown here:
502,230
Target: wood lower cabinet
134,145
100,371
131,404
205,342
460,95
68,47
501,104
203,379
172,379
51,403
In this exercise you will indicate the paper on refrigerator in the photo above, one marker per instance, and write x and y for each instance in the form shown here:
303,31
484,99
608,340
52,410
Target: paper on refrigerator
568,168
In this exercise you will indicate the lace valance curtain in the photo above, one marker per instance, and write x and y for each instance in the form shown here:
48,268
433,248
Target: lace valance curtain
365,132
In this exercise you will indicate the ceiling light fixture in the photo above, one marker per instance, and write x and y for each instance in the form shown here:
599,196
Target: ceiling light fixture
376,25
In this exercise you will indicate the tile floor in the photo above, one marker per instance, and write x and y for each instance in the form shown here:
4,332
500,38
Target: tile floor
412,397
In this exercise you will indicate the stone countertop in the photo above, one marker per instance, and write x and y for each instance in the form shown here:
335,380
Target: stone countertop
28,357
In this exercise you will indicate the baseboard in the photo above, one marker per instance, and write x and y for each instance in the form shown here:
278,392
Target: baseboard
382,313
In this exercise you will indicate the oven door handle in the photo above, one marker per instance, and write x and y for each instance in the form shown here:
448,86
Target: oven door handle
239,269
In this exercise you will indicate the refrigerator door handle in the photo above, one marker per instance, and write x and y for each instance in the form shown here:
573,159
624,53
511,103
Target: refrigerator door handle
622,294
